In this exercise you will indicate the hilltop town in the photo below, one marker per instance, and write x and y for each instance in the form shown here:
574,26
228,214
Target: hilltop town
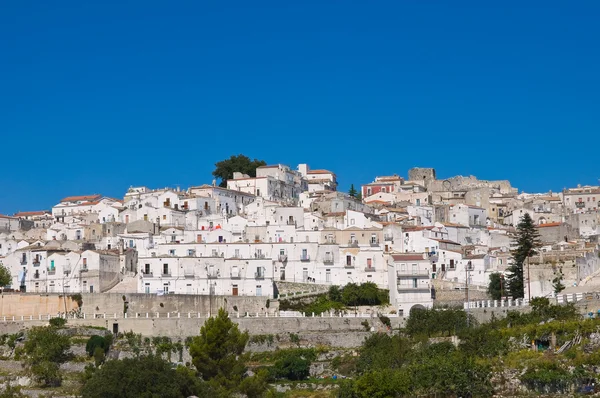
420,237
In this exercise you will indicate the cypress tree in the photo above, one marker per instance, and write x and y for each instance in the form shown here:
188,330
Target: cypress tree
526,242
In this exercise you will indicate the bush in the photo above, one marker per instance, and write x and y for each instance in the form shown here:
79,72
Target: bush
94,342
292,366
58,322
144,376
99,356
46,350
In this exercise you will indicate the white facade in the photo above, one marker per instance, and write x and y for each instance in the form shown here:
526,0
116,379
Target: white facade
410,282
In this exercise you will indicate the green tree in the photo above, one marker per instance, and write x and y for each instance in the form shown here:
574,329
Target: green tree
526,242
217,352
46,349
5,277
359,196
351,294
293,366
495,287
368,294
557,283
352,192
96,341
225,168
334,293
144,377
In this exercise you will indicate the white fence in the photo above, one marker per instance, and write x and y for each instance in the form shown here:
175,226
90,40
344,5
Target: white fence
188,315
560,299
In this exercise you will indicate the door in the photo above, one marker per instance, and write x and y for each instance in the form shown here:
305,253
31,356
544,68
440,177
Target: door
91,288
234,290
259,290
115,328
199,239
348,260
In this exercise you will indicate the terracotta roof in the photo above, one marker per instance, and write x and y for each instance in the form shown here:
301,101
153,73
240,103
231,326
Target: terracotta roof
474,257
551,224
321,171
414,228
408,257
31,213
80,198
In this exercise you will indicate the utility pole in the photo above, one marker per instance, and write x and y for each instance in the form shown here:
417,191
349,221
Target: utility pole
467,289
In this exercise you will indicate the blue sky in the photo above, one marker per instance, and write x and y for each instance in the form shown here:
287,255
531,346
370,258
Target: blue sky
98,96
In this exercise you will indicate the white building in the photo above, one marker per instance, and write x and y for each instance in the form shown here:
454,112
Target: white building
410,282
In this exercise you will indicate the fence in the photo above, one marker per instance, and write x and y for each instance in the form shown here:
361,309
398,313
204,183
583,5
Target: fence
560,299
188,315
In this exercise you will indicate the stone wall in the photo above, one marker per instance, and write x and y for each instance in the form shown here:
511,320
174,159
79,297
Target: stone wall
111,303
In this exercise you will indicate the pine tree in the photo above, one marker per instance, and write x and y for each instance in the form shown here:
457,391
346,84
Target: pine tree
352,192
525,244
557,283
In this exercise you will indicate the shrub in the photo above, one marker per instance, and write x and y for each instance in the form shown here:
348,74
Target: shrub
96,342
293,366
58,322
99,356
366,325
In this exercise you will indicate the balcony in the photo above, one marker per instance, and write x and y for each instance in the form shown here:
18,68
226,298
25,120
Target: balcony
36,275
305,258
235,275
188,272
36,263
328,260
412,274
349,266
166,274
282,258
23,261
51,271
369,269
83,268
407,289
353,243
374,243
259,275
212,275
147,274
388,238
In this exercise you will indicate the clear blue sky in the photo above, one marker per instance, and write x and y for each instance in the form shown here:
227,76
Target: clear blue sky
97,97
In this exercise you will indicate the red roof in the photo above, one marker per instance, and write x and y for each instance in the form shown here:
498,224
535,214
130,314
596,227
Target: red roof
81,198
408,257
31,213
551,224
321,171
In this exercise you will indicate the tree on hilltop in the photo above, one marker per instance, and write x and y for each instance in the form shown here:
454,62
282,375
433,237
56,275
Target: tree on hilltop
225,168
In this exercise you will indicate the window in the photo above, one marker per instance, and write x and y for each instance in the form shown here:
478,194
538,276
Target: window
328,275
131,243
164,217
165,269
147,269
51,265
237,253
414,283
369,263
191,252
402,267
166,288
258,290
348,260
414,269
84,262
281,252
451,264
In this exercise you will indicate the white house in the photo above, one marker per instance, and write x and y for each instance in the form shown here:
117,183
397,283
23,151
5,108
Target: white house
410,282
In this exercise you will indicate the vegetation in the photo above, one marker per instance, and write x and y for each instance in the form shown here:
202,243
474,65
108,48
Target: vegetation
94,342
45,350
438,322
352,192
496,287
225,168
218,355
525,244
557,283
339,299
5,277
143,376
57,322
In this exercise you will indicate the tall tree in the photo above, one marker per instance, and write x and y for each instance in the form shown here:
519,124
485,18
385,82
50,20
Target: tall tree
225,168
526,241
495,288
5,277
352,192
557,283
217,353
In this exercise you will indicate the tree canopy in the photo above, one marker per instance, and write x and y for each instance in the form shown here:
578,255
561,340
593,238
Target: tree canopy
496,287
225,168
526,242
145,377
5,277
217,352
352,192
45,350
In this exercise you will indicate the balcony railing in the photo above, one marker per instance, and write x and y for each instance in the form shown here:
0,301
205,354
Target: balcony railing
235,275
166,274
23,261
351,265
83,268
375,243
369,269
420,289
259,275
353,243
328,260
51,271
36,275
305,258
212,275
188,272
36,263
388,237
147,274
282,258
415,274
